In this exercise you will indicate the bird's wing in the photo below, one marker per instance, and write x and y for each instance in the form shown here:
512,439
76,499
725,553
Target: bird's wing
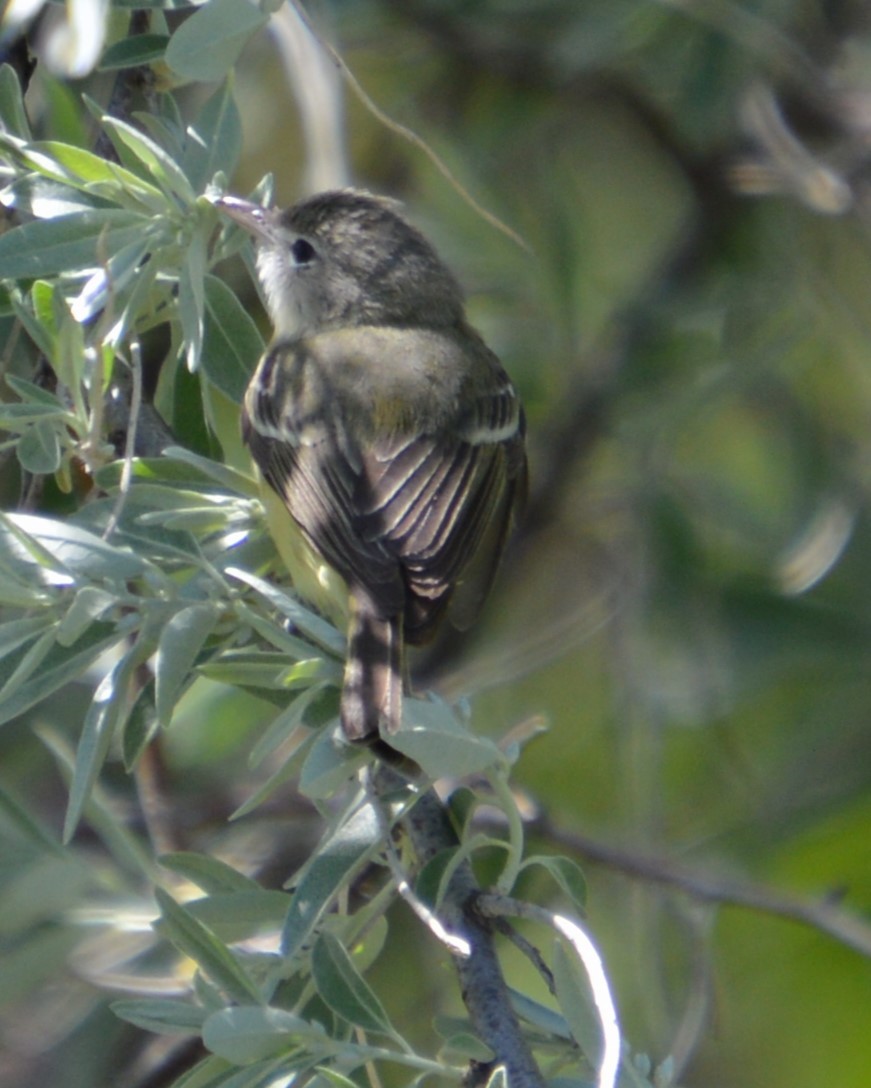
307,457
442,504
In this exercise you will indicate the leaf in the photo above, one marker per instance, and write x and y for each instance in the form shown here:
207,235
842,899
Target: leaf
191,300
107,706
317,629
180,643
163,1017
214,140
38,449
232,343
141,726
110,279
45,247
58,667
13,115
90,603
344,989
246,1034
338,857
77,551
206,46
329,764
576,1002
207,872
28,829
31,393
133,51
432,736
565,873
238,915
165,171
15,633
194,939
281,727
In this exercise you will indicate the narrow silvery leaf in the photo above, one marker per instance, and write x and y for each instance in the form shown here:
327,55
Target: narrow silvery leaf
180,643
344,989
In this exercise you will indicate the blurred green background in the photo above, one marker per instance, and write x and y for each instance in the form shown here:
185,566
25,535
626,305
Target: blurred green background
687,602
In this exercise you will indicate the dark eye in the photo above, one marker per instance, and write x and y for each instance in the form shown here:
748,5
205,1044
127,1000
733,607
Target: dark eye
303,251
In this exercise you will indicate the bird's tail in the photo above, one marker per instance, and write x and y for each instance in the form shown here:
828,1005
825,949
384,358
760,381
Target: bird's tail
372,688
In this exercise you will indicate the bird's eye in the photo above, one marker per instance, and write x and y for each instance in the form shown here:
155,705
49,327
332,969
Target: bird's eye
303,251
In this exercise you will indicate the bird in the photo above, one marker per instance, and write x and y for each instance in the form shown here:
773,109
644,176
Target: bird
385,427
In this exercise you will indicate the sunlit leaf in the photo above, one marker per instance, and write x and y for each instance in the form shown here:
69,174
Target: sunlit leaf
47,246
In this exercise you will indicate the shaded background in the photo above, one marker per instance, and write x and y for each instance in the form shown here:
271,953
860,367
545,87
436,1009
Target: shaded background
687,603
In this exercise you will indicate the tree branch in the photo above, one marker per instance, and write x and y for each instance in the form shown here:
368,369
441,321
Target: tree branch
482,985
822,914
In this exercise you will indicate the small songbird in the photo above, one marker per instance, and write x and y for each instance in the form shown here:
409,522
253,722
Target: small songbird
386,426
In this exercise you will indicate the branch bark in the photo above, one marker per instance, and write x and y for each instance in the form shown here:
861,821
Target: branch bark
482,985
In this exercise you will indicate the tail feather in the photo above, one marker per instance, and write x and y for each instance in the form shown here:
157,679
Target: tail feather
372,689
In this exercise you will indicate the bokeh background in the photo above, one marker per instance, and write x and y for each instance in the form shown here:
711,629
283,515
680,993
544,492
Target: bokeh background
687,605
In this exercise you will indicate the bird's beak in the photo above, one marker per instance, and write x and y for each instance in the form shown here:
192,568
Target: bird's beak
253,218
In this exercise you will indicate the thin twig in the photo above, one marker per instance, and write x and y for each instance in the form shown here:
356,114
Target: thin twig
409,134
501,906
822,914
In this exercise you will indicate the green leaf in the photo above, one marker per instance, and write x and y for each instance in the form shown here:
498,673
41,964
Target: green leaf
432,736
110,280
133,51
141,726
246,1034
107,707
232,344
31,393
283,725
58,667
344,989
238,915
45,247
206,46
16,633
21,823
180,643
72,550
191,300
317,629
339,856
207,872
38,449
576,1001
565,873
90,603
163,1017
194,939
13,115
329,764
214,140
165,171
